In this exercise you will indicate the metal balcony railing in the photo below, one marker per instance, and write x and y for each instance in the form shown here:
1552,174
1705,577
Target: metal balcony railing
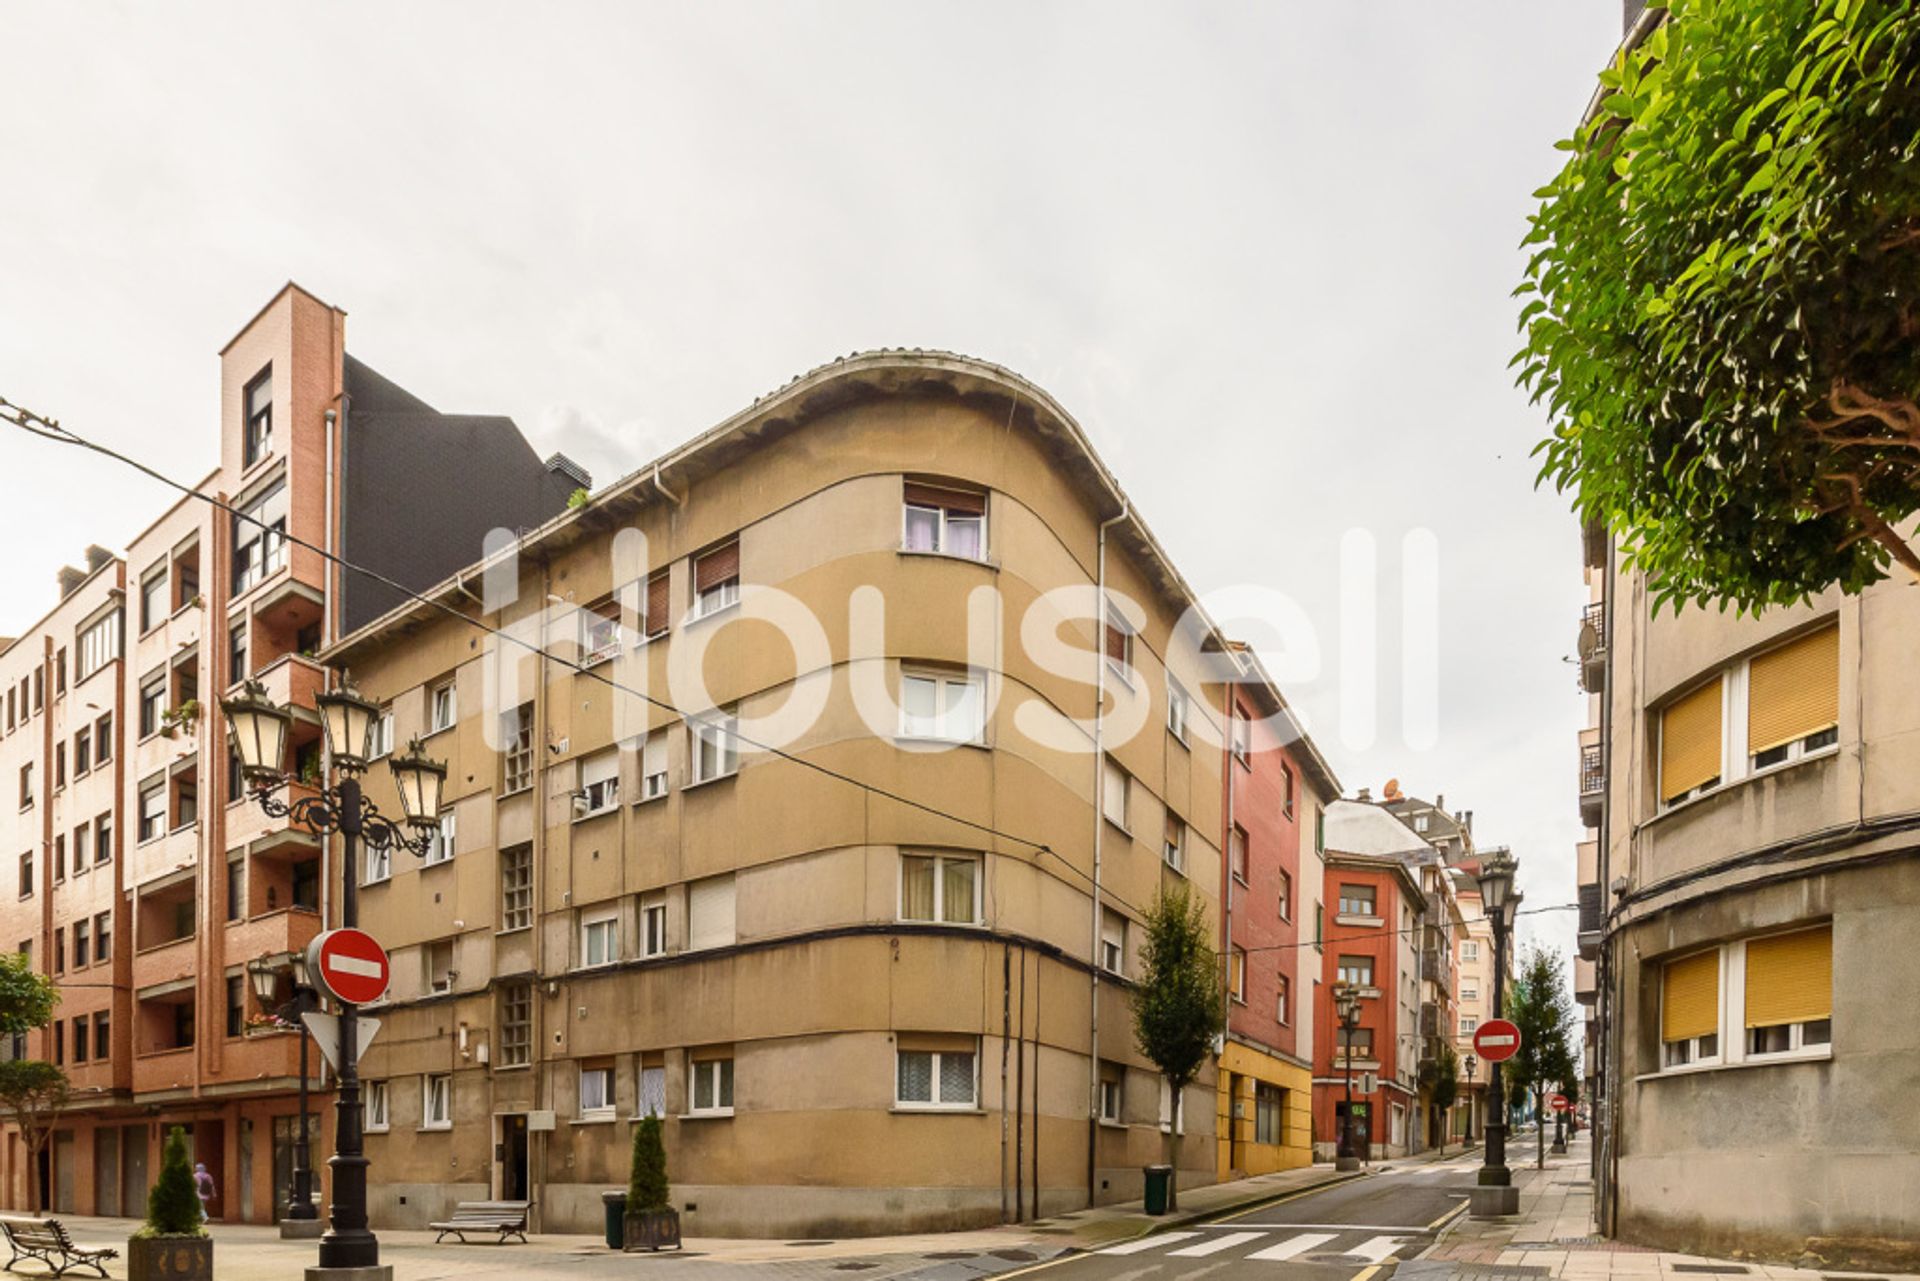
1592,644
1592,770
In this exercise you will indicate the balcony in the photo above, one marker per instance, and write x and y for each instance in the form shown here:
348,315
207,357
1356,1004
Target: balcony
1593,922
1586,986
1593,778
1592,647
1593,543
1429,1019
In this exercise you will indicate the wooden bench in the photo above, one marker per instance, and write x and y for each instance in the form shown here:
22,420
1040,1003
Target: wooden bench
47,1241
508,1218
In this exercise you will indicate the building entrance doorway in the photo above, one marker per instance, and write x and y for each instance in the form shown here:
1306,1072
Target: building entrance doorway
510,1155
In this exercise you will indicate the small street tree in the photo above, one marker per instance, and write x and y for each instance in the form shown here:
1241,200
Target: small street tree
32,1091
173,1206
1539,1007
1440,1079
1723,300
1178,1006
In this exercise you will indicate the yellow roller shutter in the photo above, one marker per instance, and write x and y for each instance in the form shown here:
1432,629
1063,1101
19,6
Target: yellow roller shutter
1690,741
1690,1004
1790,977
1794,691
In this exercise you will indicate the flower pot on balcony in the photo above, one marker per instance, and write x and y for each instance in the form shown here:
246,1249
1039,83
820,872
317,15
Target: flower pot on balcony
158,1258
653,1229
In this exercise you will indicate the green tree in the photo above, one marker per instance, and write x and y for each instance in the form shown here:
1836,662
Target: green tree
173,1207
1440,1080
33,1093
1538,1005
1721,306
647,1182
1178,1007
26,999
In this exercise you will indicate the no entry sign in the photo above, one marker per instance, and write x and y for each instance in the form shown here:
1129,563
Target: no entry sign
1558,1103
1496,1040
349,964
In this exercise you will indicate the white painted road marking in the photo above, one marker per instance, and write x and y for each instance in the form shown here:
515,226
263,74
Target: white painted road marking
355,965
1288,1249
1216,1245
1375,1249
1149,1243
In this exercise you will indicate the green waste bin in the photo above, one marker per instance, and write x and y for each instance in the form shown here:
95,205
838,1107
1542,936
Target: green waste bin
615,1204
1159,1183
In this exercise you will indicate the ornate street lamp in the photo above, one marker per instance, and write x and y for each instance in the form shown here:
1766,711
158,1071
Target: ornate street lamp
1473,1066
265,974
1346,1000
259,732
1499,902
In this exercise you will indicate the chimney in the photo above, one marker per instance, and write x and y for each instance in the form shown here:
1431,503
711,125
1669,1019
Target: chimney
1366,794
70,578
1440,801
562,465
97,556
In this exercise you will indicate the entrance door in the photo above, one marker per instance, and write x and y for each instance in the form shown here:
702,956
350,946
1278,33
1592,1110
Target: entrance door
63,1172
512,1156
210,1149
106,1170
134,1140
284,1130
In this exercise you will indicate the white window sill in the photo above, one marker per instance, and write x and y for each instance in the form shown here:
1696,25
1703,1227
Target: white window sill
935,1109
1816,1054
595,967
376,1129
708,1114
935,553
904,739
438,1127
1342,918
698,615
708,782
435,862
516,791
602,812
1108,1123
597,1118
661,795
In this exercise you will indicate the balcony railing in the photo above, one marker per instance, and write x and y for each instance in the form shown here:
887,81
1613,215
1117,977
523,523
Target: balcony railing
1592,645
1593,782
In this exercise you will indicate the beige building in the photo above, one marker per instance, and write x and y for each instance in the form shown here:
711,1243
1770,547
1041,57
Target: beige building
890,1004
1757,784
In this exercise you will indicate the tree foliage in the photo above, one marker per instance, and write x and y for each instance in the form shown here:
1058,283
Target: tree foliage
1720,307
33,1093
173,1207
26,998
1539,1006
647,1181
1177,1006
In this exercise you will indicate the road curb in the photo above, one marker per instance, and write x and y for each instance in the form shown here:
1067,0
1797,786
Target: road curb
1167,1222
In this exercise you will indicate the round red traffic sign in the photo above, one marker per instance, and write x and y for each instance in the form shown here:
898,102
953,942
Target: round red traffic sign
350,965
1496,1040
1558,1103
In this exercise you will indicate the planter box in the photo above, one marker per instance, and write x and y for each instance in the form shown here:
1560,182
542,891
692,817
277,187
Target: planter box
653,1229
170,1259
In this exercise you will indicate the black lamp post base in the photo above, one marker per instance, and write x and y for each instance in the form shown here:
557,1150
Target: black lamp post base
302,1229
376,1272
1343,1164
1482,1203
1495,1176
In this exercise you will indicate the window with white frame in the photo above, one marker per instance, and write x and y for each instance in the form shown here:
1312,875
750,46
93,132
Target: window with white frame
516,1023
1237,853
1237,974
599,784
1173,846
1241,731
516,749
1357,971
1113,941
380,740
378,863
260,537
716,579
710,912
1469,991
1173,1117
653,1092
1177,709
436,1101
1755,714
1468,1024
1284,895
599,938
1112,1092
940,887
949,521
1357,900
711,1089
653,924
373,1103
936,1078
153,809
1117,643
1115,787
258,441
1470,949
1283,1001
596,1091
715,744
516,887
944,706
599,633
653,766
443,706
442,842
1690,1000
99,645
437,962
1760,999
1420,823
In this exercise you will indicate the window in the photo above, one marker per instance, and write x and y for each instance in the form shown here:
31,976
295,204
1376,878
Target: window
60,671
1357,1044
1242,734
653,1092
436,1102
26,874
1420,823
236,1005
1319,924
82,752
1469,991
306,884
60,857
1286,790
1356,900
951,521
259,412
1113,941
943,706
80,1039
940,887
81,937
373,1103
443,843
1282,1001
1237,853
1793,699
153,599
1269,1112
1117,643
1690,1009
1114,786
99,645
380,741
710,912
102,1035
712,1086
1177,707
153,703
1173,846
1789,992
1468,1024
237,652
1237,975
378,864
659,601
1111,1093
102,839
716,579
599,784
653,925
26,786
260,538
935,1078
1169,1107
516,1024
103,739
596,1092
60,949
1286,895
237,889
153,809
1469,949
516,742
1356,970
437,965
443,707
653,766
599,939
516,887
716,746
599,633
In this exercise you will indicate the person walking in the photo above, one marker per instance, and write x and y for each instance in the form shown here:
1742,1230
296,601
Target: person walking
202,1187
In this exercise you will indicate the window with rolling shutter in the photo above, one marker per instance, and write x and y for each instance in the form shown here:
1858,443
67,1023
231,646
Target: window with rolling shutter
951,522
1793,693
1690,742
1789,997
1690,1007
716,578
656,605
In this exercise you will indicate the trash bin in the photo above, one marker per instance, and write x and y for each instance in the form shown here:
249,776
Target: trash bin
615,1204
1159,1182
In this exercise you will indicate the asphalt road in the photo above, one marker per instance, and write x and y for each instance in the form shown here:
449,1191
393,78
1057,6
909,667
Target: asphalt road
1353,1231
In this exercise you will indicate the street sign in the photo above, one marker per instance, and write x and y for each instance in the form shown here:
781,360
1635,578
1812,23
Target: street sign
1558,1103
326,1035
1496,1040
349,964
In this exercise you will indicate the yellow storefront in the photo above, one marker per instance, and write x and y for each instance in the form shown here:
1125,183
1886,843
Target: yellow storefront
1265,1106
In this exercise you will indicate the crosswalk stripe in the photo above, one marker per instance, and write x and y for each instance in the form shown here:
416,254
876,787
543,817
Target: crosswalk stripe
1216,1245
1298,1245
1375,1249
1149,1243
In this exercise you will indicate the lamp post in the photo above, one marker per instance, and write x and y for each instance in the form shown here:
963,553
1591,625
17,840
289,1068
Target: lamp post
1473,1066
1495,1195
259,731
1346,1001
265,975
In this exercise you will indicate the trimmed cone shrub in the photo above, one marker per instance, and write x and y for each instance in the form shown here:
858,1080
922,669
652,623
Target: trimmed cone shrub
173,1207
647,1184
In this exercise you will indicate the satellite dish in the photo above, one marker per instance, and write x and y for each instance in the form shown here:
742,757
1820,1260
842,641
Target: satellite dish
1589,642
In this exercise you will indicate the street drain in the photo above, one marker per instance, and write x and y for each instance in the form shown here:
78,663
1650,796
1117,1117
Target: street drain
853,1265
951,1254
1016,1256
1713,1269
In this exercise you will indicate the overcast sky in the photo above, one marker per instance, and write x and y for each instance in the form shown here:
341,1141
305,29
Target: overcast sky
1262,252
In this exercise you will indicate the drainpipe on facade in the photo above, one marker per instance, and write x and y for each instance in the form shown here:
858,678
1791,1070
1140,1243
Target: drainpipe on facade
333,571
1099,831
